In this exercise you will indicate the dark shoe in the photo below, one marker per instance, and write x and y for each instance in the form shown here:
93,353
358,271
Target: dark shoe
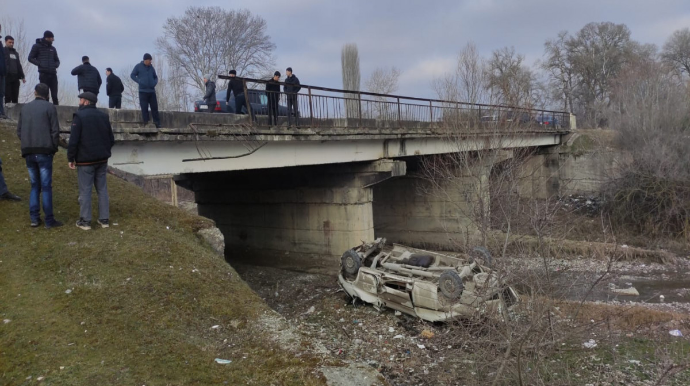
54,224
104,223
10,197
36,223
83,224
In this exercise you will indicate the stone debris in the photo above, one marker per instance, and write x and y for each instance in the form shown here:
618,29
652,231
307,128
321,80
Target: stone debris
632,291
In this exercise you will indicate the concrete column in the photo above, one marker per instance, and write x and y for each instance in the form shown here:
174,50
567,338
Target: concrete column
306,216
411,211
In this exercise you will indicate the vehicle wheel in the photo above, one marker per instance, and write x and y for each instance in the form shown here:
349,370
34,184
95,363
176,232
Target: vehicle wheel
451,285
350,262
483,254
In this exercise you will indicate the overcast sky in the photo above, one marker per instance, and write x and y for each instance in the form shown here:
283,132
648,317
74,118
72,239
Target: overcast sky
422,38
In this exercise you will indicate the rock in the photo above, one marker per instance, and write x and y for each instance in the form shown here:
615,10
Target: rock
214,238
426,334
632,291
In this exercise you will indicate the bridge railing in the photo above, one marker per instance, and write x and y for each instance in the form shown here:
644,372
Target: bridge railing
322,107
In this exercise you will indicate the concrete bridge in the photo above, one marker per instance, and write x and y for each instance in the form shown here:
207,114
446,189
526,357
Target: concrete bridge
339,178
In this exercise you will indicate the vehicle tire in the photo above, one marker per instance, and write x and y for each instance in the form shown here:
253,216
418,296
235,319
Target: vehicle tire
350,262
483,254
451,285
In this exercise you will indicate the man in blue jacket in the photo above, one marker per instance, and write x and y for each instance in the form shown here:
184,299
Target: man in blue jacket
145,76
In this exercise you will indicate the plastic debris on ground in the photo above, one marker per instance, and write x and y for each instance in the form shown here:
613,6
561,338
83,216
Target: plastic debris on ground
590,344
675,333
223,361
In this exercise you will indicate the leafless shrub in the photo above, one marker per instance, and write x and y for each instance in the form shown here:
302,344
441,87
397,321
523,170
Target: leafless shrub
676,51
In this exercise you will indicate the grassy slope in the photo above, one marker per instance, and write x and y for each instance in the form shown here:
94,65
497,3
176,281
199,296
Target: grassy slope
143,296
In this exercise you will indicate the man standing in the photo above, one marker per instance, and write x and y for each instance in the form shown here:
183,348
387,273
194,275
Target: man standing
3,72
210,96
44,56
15,72
114,89
90,141
4,192
291,89
273,95
145,76
39,131
235,86
88,77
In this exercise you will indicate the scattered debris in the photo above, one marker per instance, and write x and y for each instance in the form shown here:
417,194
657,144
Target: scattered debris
421,346
311,310
632,291
426,334
215,327
69,291
223,361
590,344
5,321
675,333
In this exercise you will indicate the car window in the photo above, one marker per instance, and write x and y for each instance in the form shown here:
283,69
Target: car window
264,99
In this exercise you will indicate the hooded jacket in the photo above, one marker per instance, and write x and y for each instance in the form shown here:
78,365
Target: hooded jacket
210,96
91,137
13,64
88,78
145,76
38,128
113,85
44,56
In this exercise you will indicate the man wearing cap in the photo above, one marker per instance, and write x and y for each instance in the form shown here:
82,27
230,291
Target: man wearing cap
210,96
291,89
88,77
145,76
44,56
114,89
90,141
273,94
3,72
15,72
39,132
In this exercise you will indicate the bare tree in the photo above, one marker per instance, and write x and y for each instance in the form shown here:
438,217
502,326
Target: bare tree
468,82
351,78
559,66
676,50
509,80
15,27
211,40
383,81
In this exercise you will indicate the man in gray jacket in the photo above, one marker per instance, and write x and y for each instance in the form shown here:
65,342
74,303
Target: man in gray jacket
39,131
210,96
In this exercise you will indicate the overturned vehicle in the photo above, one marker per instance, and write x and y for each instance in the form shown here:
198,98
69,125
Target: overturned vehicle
431,286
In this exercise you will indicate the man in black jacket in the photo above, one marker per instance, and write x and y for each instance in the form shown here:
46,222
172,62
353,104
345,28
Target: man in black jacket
39,131
90,141
114,89
236,86
88,77
291,89
273,95
15,72
44,56
3,72
210,95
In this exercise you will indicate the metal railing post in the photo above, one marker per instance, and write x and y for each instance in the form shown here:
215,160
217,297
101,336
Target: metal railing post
399,115
247,101
311,108
431,113
359,97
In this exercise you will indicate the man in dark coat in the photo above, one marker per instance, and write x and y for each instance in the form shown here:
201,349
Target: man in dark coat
291,89
236,87
114,89
39,131
210,96
88,77
3,72
44,56
147,79
90,142
15,72
273,95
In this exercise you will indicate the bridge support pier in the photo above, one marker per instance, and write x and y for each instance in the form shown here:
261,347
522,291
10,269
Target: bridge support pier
304,217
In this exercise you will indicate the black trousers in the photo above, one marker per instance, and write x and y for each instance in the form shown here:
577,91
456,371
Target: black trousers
115,102
11,89
211,108
272,110
292,108
147,99
51,81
